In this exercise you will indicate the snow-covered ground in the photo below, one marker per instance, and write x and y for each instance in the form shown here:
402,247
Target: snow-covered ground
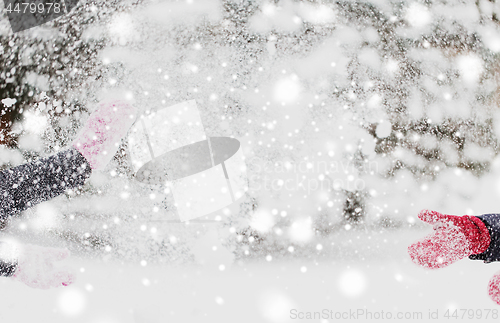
263,291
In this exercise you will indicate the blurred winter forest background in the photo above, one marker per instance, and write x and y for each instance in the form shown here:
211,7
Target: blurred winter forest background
352,115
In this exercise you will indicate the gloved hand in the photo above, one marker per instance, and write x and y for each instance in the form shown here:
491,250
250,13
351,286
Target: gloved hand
35,267
494,288
454,238
99,139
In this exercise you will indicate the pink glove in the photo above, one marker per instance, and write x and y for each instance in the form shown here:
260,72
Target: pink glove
454,238
99,139
35,267
494,288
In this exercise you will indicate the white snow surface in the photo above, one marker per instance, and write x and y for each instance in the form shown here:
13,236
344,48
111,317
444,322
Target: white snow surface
260,291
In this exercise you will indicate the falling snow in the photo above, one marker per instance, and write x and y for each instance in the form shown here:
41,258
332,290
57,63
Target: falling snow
352,117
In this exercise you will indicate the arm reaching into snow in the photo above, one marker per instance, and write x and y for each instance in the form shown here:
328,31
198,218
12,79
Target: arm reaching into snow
27,185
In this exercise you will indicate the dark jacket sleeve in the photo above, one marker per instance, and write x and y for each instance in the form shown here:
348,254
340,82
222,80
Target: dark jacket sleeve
7,268
8,263
24,186
492,222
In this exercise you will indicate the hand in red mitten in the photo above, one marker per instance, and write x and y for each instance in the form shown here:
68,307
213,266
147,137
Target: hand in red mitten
454,238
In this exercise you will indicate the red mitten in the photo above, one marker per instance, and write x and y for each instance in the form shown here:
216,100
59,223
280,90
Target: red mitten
455,237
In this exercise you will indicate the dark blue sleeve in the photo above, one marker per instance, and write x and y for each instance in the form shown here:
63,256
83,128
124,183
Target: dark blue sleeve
7,268
492,222
26,185
8,265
